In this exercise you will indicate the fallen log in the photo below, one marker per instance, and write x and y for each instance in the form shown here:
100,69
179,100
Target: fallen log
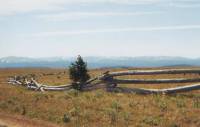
56,89
154,72
13,81
60,86
36,83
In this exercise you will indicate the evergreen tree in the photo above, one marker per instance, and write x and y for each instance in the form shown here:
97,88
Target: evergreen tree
79,73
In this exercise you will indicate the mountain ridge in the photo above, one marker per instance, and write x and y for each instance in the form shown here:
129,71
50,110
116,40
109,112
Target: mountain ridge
99,62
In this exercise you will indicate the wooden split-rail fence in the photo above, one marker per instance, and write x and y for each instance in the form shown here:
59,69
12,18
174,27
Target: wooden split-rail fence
109,81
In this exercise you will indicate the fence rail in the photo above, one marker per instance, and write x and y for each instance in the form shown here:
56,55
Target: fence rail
154,72
107,80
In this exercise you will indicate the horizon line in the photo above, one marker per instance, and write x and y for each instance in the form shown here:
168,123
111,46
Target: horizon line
86,56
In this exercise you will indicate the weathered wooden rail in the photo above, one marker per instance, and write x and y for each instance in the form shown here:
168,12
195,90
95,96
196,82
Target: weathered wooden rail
154,72
107,80
153,81
157,91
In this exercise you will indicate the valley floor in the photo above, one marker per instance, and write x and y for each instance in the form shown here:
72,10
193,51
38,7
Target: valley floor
21,107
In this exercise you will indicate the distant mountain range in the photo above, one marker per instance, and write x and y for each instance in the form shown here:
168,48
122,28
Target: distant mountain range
99,62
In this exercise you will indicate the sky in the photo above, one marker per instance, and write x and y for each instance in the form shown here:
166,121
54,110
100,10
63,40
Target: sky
47,28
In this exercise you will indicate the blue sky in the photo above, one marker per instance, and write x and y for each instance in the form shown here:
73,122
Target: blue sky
45,28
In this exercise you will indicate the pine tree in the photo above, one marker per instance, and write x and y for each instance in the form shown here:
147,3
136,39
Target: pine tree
79,73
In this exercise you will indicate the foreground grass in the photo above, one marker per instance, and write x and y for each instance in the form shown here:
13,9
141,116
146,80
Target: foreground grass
97,108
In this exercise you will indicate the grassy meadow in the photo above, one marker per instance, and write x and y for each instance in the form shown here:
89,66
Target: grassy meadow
99,108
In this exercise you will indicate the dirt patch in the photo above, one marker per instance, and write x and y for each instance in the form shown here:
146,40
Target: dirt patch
19,121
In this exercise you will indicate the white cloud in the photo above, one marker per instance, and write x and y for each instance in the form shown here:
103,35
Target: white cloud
80,15
112,30
11,7
184,5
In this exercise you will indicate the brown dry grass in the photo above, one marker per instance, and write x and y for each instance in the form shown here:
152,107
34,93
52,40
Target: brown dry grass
99,108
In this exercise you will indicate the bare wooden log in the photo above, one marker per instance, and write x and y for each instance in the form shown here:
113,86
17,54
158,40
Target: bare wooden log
36,83
153,81
14,82
61,86
91,80
157,91
18,82
56,89
181,89
39,87
32,87
154,72
95,87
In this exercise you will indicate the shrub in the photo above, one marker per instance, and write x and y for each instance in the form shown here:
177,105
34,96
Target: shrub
116,106
3,105
173,125
113,115
196,103
73,93
23,110
99,94
75,112
126,116
180,103
66,118
161,102
152,120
